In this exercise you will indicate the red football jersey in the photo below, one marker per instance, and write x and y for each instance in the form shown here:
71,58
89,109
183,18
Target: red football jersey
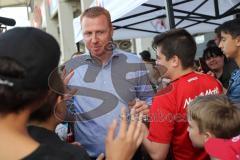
168,114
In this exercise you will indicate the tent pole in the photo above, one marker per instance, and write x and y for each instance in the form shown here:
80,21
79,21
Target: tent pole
170,14
216,7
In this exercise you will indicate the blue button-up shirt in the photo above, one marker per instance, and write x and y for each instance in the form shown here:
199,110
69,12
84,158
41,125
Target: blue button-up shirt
102,91
234,87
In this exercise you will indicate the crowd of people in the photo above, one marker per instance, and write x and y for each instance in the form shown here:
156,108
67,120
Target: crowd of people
116,108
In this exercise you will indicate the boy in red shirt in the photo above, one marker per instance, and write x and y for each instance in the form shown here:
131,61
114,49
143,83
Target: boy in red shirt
168,123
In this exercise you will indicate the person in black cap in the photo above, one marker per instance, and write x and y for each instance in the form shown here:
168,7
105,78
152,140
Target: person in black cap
27,57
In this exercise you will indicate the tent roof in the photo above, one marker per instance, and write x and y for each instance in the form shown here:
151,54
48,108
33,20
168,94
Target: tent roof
11,3
146,18
194,15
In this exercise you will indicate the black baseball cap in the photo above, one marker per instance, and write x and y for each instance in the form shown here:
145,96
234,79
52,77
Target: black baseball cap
37,51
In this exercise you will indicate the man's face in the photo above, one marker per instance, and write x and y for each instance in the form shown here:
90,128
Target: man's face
162,63
96,34
215,63
194,134
228,44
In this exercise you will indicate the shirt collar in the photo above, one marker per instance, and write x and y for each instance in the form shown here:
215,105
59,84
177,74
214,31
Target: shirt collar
115,53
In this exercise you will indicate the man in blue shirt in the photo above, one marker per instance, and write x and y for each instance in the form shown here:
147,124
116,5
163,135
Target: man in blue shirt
106,79
230,45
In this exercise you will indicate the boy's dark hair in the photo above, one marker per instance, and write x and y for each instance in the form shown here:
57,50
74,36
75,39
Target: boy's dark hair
177,42
211,43
231,27
212,52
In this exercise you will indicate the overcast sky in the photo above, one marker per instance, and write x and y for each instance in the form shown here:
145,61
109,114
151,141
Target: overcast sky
17,13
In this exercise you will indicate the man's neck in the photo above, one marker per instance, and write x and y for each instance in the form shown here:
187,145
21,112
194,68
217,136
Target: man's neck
50,124
15,121
104,58
180,72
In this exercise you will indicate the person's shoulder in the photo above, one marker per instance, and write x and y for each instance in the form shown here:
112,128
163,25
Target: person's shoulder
47,152
43,135
236,73
167,91
209,81
83,56
230,65
204,76
130,56
77,151
194,79
76,62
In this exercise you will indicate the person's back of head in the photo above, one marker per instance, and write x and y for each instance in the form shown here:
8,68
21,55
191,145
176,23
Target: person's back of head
145,55
215,114
211,43
177,42
27,57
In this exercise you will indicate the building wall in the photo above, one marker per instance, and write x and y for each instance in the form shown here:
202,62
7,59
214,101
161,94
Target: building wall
57,19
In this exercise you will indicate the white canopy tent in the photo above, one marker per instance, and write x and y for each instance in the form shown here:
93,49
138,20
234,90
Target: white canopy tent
13,3
116,9
146,18
16,10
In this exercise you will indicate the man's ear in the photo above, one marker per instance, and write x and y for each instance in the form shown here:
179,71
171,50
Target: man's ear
238,41
208,135
175,61
60,108
59,99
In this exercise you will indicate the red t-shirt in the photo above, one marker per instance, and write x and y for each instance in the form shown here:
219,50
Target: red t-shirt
168,120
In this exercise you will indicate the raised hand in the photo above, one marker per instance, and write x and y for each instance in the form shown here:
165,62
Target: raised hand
128,139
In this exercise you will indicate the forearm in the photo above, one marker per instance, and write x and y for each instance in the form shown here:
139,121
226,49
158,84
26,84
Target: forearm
148,144
149,148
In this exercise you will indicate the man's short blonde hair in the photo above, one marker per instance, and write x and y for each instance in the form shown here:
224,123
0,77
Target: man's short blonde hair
215,114
95,12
